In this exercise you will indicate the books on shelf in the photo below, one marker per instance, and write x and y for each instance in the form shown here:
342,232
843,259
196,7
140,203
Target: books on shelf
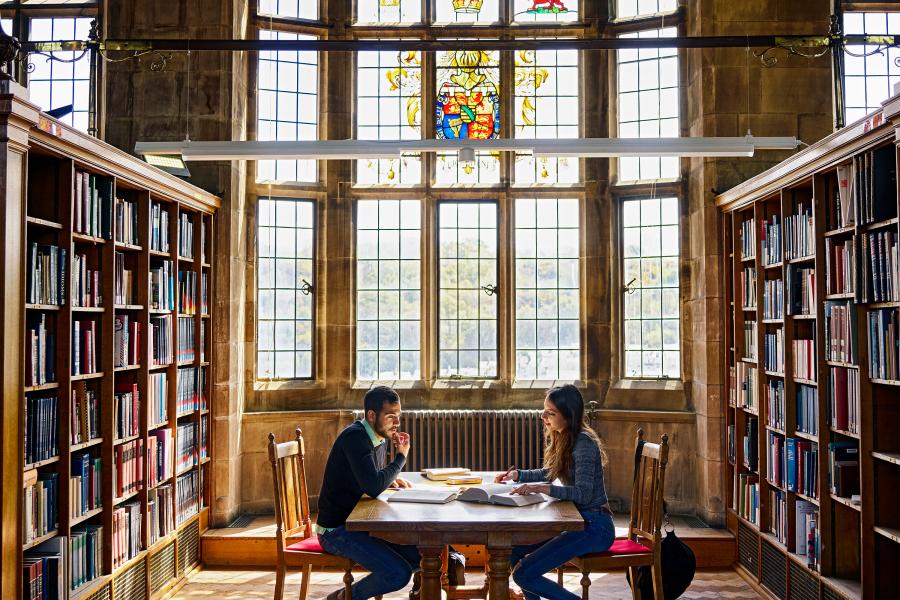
40,351
128,410
732,444
751,433
159,227
189,389
770,240
185,235
186,331
775,404
85,413
186,454
124,282
843,211
801,463
874,184
747,496
747,381
799,233
44,570
807,409
204,293
187,492
160,514
162,286
126,533
775,459
880,269
41,426
748,287
160,456
202,239
840,332
93,205
773,351
843,468
187,292
85,554
773,299
86,288
748,238
806,532
39,505
778,515
46,280
840,265
203,442
85,484
128,469
884,344
805,359
161,350
127,222
126,341
157,411
843,395
800,289
750,340
84,346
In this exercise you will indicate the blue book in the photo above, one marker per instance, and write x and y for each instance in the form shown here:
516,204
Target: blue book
791,458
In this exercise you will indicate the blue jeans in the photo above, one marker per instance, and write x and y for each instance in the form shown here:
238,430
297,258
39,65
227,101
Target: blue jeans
536,559
390,565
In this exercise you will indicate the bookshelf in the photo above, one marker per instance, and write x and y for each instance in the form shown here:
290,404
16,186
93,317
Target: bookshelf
113,472
812,311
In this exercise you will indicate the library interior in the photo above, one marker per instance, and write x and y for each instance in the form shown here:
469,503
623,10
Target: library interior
449,299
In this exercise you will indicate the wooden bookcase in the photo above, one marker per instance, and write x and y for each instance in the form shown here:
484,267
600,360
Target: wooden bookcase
49,159
859,543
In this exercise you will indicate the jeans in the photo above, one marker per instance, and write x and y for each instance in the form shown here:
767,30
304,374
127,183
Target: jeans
390,565
536,559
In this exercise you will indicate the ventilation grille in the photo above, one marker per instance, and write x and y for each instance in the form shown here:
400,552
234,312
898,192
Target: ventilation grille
132,584
804,586
162,568
748,549
774,571
241,522
101,594
188,547
830,594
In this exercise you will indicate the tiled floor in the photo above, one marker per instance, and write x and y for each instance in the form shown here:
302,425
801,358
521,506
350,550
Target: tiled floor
239,584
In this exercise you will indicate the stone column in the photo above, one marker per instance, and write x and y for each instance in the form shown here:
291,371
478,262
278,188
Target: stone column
206,97
729,92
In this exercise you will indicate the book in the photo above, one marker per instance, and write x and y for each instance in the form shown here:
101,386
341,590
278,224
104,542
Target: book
469,479
443,473
424,495
499,493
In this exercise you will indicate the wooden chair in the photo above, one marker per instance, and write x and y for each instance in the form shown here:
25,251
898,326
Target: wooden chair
298,546
642,545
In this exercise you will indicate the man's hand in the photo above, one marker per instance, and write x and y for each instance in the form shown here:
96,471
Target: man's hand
532,488
400,483
401,442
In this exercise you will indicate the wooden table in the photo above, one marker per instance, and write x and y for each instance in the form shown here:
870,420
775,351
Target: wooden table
433,526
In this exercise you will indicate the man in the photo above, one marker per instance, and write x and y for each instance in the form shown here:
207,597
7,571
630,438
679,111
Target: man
356,466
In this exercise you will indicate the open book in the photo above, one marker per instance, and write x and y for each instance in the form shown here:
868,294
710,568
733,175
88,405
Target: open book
499,493
428,495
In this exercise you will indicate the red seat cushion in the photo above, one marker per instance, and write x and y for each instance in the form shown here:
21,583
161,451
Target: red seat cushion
310,544
624,547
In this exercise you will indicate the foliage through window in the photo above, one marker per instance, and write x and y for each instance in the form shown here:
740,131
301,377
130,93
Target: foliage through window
285,255
869,80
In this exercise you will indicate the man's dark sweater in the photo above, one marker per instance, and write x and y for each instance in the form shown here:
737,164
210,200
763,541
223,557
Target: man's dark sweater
354,467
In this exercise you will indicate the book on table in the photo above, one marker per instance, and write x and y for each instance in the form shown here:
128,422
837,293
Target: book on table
427,495
499,493
444,473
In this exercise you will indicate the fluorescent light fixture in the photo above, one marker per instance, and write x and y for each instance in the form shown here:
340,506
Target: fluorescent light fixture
362,149
170,163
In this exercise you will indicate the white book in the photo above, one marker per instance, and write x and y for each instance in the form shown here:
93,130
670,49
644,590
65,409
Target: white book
424,495
444,473
499,493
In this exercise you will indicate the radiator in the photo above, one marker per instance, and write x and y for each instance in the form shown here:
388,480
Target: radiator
481,440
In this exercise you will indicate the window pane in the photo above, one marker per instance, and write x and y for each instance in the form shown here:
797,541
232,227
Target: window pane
547,286
389,102
467,256
546,108
57,84
545,11
298,9
626,9
467,106
284,321
648,104
651,321
467,11
389,11
287,106
388,297
866,81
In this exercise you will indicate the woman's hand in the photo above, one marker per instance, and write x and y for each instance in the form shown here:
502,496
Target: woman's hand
511,474
400,484
532,488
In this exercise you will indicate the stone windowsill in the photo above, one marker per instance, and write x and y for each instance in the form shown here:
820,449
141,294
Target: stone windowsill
288,385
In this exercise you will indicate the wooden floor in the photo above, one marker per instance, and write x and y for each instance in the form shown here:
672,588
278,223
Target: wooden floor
228,584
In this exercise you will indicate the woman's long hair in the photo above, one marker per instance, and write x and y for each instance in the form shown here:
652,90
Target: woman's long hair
568,401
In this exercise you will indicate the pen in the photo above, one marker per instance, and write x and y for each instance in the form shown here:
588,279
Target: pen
508,471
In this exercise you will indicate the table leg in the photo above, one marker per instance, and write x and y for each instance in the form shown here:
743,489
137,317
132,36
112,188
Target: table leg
431,572
499,564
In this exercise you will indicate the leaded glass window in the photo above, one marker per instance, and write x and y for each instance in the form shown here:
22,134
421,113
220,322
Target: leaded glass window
467,301
285,243
467,107
388,289
546,106
650,277
545,11
51,83
467,11
869,80
388,11
297,9
627,9
648,104
287,106
389,102
548,340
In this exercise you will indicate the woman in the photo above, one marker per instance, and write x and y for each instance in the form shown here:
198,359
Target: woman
573,454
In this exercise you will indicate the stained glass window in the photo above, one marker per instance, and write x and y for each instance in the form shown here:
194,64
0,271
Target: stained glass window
467,107
546,106
297,9
869,80
467,302
389,102
650,279
626,9
545,11
51,83
284,302
467,11
287,106
388,284
648,104
547,275
388,11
